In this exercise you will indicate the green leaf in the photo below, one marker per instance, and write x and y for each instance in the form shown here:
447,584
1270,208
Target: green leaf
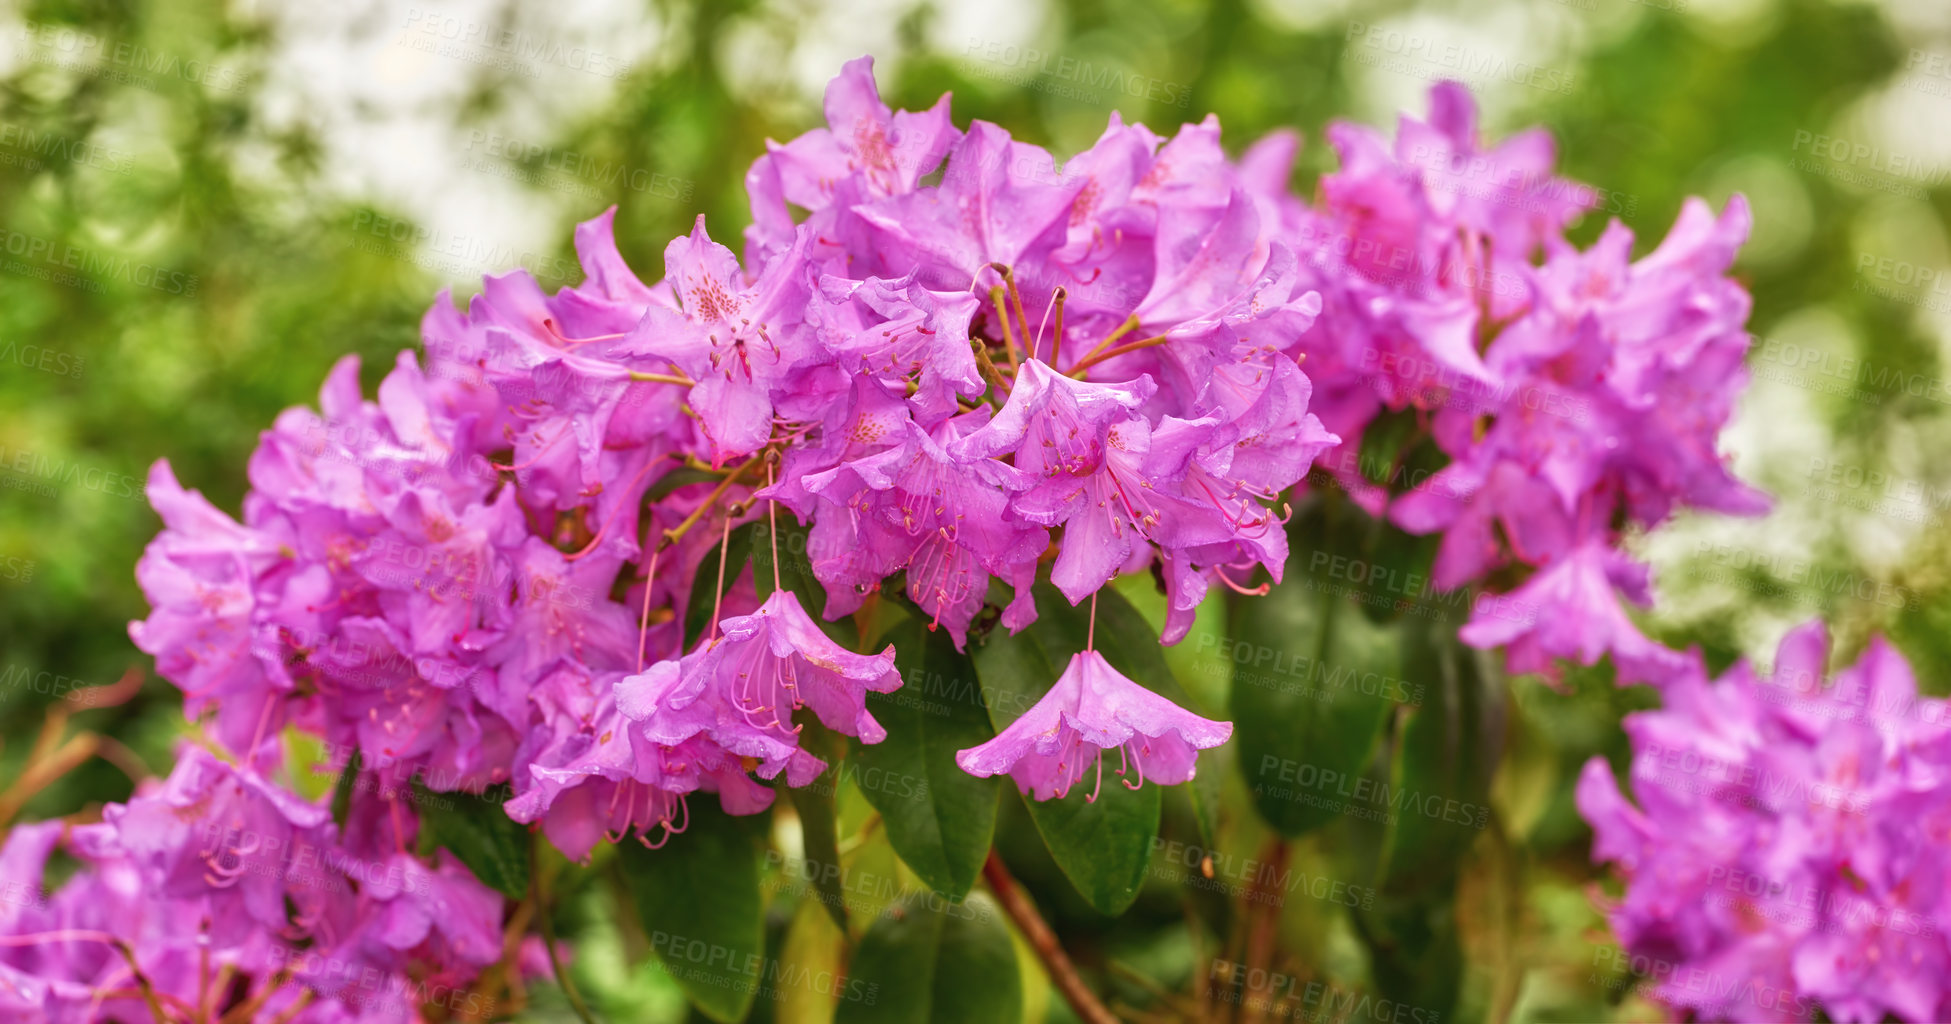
819,834
1438,794
735,552
680,477
1103,847
939,817
1314,680
1415,955
926,960
699,900
343,789
811,956
491,844
1445,755
1382,445
1205,795
795,573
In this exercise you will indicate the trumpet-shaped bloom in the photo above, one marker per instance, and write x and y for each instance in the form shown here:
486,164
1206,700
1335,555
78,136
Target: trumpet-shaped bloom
1571,610
744,686
1093,708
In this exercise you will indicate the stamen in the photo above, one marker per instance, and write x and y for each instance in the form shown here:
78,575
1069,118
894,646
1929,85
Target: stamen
663,378
615,514
1002,314
1239,589
549,324
1057,338
1067,745
219,875
669,828
1022,320
539,452
1100,354
1130,325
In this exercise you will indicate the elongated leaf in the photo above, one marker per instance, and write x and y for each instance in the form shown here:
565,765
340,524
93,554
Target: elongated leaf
1203,792
700,904
1438,794
1446,752
819,834
810,958
1103,846
936,961
491,844
939,817
1314,679
1416,957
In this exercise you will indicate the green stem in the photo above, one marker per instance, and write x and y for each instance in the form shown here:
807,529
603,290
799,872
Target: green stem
542,911
1103,354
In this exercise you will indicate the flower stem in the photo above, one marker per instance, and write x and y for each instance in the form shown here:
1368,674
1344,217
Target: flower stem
676,533
772,528
548,935
1263,921
988,368
1130,325
1009,333
1090,632
1102,354
1016,298
662,378
1056,962
42,771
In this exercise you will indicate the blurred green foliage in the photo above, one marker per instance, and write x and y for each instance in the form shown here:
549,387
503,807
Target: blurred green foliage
178,263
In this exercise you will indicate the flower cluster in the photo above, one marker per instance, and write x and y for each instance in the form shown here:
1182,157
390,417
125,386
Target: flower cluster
490,574
1574,393
216,892
957,367
1786,850
1134,315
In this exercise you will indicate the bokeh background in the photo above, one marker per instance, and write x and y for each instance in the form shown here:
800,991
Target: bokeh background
202,206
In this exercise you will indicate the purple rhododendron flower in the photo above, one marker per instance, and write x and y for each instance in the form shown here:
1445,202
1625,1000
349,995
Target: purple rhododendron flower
216,869
745,684
1091,709
956,361
1570,610
1572,392
1785,836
